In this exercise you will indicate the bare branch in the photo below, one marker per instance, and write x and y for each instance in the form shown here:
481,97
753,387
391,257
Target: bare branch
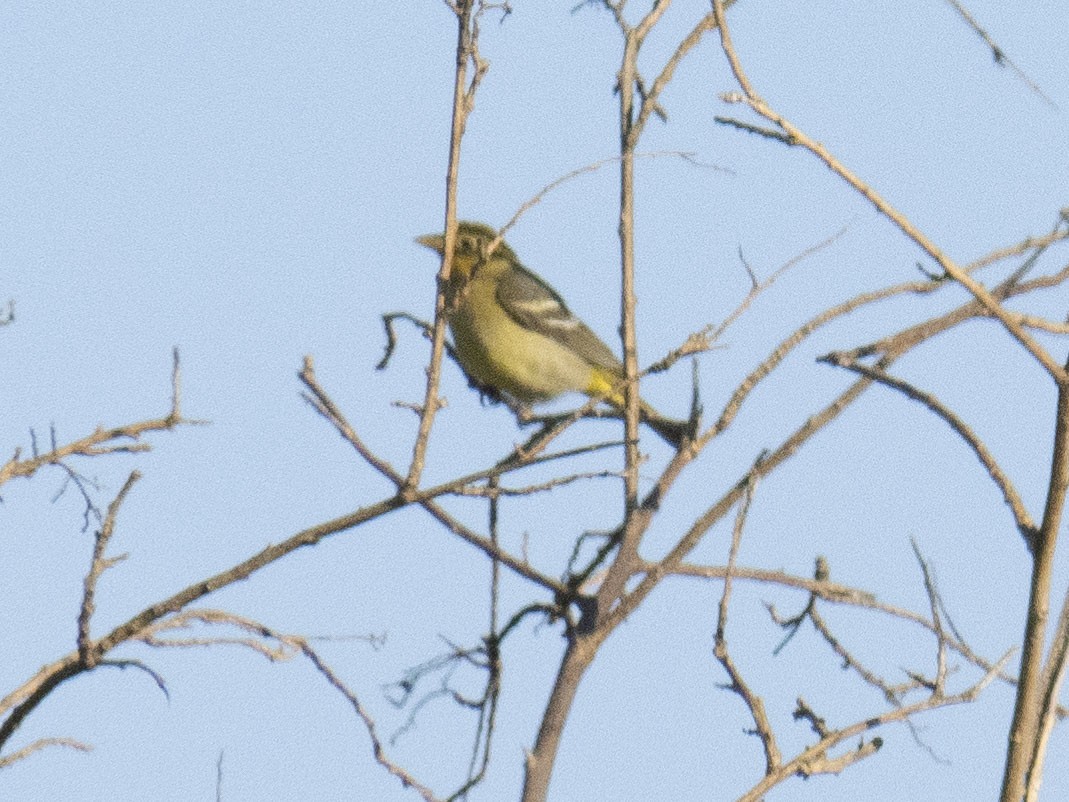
935,605
539,196
815,759
463,102
737,684
998,53
98,565
377,748
38,745
102,441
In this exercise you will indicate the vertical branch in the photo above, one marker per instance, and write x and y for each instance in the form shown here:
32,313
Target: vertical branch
585,639
463,99
484,733
1023,749
628,71
756,706
631,128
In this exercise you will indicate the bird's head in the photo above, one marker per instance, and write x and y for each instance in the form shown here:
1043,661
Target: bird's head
472,245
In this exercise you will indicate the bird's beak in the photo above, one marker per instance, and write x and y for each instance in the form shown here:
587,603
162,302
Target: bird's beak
436,242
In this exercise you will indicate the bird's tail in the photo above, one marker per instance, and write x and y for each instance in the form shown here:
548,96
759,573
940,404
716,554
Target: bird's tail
674,432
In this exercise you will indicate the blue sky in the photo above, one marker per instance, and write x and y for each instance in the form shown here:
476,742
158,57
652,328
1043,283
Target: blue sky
243,181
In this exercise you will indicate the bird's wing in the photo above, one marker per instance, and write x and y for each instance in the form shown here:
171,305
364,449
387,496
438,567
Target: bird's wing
536,306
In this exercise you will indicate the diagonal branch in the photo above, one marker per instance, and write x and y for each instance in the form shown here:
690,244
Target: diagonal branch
997,53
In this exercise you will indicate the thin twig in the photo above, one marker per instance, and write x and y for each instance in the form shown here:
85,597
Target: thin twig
998,54
463,103
38,745
935,606
378,750
1025,525
737,683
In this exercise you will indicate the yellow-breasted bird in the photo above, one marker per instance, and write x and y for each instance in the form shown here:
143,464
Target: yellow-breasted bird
515,336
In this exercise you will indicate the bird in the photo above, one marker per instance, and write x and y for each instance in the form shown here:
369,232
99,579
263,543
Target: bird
514,336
